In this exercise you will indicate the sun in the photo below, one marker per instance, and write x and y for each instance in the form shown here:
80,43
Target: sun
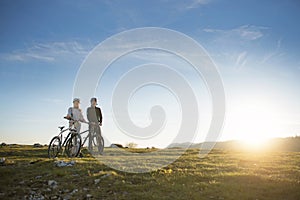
255,142
257,129
254,121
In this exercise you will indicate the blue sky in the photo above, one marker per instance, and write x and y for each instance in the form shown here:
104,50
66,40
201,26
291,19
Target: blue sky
255,44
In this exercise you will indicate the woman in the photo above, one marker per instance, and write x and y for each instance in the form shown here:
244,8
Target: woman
74,113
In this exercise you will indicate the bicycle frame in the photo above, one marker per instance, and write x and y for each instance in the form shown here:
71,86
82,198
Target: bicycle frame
88,136
85,139
74,130
60,135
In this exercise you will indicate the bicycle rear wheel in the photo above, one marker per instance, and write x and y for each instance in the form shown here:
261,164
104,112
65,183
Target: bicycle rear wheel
97,144
73,145
54,147
100,144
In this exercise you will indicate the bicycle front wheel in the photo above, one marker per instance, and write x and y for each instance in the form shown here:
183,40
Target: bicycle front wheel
54,147
73,145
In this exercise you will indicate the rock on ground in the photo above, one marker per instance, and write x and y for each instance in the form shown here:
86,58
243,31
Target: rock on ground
52,183
61,163
2,161
37,145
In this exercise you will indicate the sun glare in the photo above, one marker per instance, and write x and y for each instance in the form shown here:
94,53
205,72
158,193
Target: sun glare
255,121
255,143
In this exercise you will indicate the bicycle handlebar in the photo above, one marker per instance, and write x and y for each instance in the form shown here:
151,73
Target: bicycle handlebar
74,121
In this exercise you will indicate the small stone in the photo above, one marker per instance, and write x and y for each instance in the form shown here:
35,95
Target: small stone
61,163
106,175
52,183
21,182
74,191
38,177
2,161
32,192
72,162
88,196
96,181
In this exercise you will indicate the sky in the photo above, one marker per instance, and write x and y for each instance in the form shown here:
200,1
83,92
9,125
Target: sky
255,45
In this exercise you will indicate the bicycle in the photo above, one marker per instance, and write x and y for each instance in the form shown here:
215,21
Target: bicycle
96,141
72,142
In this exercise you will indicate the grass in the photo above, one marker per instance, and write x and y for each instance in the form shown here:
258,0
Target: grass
220,175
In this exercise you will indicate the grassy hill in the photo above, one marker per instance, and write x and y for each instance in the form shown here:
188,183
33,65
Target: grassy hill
291,144
28,174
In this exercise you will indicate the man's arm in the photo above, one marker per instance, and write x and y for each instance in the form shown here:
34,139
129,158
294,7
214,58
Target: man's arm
100,113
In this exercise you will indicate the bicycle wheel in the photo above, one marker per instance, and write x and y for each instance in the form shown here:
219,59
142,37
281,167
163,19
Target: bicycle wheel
54,147
100,144
73,145
97,144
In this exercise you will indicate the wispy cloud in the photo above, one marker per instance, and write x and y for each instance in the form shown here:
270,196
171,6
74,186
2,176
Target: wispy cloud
196,3
245,32
274,53
53,100
48,52
187,5
241,60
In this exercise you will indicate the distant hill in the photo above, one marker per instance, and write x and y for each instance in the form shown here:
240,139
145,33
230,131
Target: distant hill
291,144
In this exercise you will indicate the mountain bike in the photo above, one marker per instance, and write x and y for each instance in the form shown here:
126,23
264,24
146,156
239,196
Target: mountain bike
71,143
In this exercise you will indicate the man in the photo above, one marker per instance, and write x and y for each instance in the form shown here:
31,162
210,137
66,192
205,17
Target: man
94,113
75,113
94,116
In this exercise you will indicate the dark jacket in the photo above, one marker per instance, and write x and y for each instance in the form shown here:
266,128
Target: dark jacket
94,114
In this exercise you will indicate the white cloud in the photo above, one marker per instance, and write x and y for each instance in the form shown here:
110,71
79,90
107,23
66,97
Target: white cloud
196,3
53,100
241,59
245,32
272,54
25,56
48,52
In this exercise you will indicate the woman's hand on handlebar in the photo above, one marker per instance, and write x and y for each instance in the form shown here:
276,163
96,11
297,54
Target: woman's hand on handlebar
68,117
71,120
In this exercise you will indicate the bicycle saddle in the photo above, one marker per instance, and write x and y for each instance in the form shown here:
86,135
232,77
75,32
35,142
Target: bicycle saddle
61,127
